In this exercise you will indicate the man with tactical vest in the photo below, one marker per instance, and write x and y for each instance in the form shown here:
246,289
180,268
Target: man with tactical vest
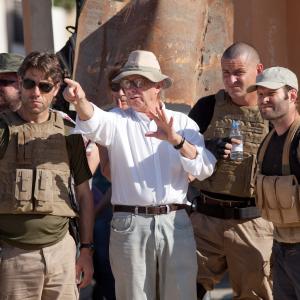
230,234
277,190
38,158
9,85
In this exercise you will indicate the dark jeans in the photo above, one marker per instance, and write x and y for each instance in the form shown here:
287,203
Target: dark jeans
105,284
286,271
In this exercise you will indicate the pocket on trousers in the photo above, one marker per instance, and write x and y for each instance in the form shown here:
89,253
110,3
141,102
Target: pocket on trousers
122,222
182,220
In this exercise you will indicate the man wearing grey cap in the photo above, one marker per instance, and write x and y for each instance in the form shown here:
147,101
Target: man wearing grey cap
9,86
152,150
277,189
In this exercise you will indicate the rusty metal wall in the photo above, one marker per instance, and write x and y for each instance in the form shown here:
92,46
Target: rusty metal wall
272,26
187,36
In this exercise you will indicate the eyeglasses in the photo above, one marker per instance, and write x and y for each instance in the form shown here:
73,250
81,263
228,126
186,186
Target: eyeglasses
6,82
44,87
138,83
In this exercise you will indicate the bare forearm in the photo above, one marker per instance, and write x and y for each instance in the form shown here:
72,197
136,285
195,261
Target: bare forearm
86,211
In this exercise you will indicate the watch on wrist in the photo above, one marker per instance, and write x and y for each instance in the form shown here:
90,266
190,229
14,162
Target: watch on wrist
179,146
90,246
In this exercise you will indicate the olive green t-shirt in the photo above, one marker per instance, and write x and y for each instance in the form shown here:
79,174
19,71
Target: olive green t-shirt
31,231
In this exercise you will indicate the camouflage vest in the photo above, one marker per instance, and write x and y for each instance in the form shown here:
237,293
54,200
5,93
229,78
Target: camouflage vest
35,170
235,178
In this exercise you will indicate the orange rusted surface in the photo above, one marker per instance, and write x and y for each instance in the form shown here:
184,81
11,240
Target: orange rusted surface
187,36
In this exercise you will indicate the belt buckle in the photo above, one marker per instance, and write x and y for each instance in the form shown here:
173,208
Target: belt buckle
168,208
146,210
136,210
203,198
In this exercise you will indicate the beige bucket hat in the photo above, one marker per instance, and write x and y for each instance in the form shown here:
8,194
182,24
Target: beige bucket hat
143,63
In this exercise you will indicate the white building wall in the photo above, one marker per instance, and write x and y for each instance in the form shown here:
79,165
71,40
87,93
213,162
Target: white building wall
3,27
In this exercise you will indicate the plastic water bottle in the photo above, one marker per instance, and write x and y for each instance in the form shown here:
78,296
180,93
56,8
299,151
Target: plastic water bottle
237,149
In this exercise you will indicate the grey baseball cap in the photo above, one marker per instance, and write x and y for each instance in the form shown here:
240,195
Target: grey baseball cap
10,62
275,78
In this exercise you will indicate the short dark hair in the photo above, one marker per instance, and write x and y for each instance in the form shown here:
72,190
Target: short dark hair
47,63
239,49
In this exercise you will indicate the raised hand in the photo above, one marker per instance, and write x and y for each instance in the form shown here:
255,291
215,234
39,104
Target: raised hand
165,130
73,92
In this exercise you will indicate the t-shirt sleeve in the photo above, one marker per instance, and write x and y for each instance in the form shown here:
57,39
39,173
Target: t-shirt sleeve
78,162
202,112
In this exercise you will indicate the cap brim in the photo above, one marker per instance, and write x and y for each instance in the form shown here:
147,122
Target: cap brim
8,71
267,84
154,77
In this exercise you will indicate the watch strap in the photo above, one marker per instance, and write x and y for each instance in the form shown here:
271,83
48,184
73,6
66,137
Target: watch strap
87,245
179,146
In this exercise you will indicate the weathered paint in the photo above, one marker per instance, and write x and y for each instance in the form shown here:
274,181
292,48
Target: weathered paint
188,38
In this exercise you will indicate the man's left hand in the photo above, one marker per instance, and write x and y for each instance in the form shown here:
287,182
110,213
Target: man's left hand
84,268
165,129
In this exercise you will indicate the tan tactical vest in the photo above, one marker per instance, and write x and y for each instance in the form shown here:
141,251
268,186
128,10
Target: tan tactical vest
277,197
235,178
35,171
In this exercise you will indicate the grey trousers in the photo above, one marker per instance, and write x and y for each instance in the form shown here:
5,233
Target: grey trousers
286,271
142,246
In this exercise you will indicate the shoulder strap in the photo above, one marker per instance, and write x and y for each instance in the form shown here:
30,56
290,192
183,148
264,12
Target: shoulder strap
57,119
9,117
286,170
264,147
220,97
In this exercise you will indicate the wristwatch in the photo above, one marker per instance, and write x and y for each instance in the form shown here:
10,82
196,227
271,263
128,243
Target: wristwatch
179,146
90,246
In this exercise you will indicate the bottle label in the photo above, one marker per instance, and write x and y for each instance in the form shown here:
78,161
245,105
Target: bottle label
237,148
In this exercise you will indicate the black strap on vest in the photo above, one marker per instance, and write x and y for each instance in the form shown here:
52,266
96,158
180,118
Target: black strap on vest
237,213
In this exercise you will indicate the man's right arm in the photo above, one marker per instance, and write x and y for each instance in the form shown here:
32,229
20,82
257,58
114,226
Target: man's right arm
74,94
94,123
203,111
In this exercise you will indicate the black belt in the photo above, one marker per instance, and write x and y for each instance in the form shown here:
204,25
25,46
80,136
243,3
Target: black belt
287,245
149,210
225,209
206,200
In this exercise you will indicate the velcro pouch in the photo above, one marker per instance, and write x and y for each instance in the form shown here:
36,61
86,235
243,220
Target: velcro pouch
23,191
43,193
288,197
271,204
